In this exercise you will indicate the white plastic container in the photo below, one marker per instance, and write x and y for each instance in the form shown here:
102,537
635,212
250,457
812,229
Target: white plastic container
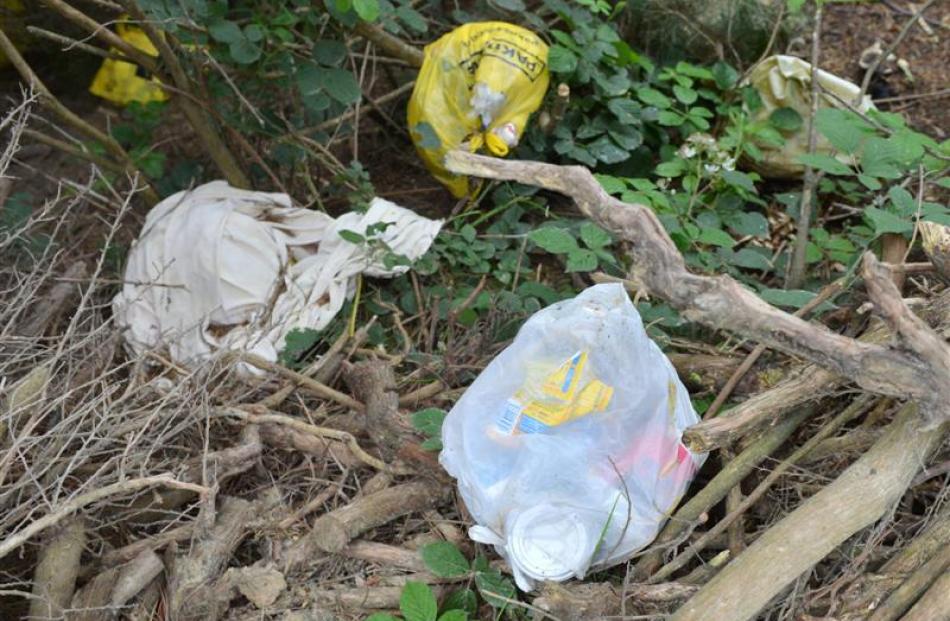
567,448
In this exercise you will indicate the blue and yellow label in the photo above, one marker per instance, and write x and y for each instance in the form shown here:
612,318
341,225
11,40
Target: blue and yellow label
564,395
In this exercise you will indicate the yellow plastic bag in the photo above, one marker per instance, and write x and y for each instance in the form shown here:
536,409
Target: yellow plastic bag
478,84
121,82
11,21
785,82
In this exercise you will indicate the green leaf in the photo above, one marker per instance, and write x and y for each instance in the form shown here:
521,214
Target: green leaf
606,151
739,179
886,222
653,97
329,52
787,298
786,119
611,185
368,10
670,118
244,52
716,237
412,18
843,129
593,236
724,75
417,602
581,260
352,236
444,559
423,134
341,85
825,162
672,168
462,599
253,32
435,444
627,111
748,223
454,615
553,239
870,182
685,95
491,584
748,258
561,59
225,32
429,421
903,200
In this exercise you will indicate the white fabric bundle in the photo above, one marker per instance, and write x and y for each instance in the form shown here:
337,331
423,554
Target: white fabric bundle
221,268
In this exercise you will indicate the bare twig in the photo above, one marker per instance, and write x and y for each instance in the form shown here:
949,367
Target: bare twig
796,270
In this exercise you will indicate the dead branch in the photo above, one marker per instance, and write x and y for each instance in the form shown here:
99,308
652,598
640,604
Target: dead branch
796,266
323,432
311,385
192,592
54,579
720,301
374,383
55,302
76,503
907,593
933,603
866,81
857,498
390,44
333,531
363,598
385,554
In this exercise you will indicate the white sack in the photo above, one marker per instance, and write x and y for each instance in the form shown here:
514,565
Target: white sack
221,268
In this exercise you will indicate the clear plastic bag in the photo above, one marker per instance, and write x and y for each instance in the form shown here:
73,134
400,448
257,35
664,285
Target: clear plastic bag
567,448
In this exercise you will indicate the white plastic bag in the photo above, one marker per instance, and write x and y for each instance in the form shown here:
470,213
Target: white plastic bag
222,268
567,448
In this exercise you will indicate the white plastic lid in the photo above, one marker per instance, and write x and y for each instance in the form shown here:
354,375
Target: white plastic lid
548,543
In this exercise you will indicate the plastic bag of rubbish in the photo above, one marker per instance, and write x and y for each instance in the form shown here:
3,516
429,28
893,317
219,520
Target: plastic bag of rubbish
122,82
221,268
478,84
567,448
785,82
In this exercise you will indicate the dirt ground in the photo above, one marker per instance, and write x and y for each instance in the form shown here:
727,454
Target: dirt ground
850,28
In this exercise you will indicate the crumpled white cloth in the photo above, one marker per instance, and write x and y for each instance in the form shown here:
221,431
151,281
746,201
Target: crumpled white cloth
221,268
785,82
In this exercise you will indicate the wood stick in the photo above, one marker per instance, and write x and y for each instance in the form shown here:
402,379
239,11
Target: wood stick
796,269
390,44
857,498
907,593
76,503
54,579
932,604
333,531
374,383
310,384
935,239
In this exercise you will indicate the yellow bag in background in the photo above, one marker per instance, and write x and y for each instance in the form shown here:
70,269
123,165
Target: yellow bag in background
478,83
121,82
11,21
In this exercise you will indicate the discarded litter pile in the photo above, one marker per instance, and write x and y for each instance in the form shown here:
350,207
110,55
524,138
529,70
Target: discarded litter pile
567,447
478,83
221,268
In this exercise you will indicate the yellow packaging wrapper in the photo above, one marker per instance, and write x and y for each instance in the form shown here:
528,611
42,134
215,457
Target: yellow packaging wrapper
121,82
478,83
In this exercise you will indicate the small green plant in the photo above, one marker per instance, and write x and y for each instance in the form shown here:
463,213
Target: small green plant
445,560
429,423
